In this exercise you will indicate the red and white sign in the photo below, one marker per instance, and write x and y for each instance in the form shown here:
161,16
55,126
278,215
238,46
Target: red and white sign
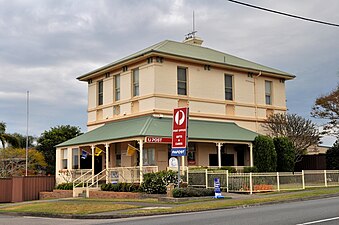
179,131
158,139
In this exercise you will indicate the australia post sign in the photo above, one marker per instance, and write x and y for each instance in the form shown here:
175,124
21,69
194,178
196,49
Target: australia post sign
180,132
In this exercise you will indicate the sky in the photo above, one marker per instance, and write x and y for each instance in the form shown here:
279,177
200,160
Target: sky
46,44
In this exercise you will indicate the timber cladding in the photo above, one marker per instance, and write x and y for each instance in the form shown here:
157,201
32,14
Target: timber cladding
18,189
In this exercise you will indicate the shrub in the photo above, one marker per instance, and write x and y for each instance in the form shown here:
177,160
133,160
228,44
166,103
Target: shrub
121,187
155,183
229,168
285,153
332,157
65,186
265,157
250,169
192,192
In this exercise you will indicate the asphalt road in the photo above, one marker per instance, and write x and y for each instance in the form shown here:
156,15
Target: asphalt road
317,212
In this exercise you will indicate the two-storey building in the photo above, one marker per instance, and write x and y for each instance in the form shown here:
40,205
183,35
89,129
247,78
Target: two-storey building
131,101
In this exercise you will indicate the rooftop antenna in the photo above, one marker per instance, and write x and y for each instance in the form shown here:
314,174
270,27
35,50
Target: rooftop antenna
192,34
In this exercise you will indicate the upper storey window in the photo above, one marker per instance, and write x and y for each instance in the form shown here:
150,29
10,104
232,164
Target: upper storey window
268,92
117,87
100,92
228,87
182,80
135,82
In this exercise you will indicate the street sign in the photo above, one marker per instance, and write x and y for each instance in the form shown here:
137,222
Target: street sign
217,190
179,132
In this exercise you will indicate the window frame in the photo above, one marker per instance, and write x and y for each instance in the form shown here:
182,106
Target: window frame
100,92
149,160
229,89
268,93
182,81
135,82
64,159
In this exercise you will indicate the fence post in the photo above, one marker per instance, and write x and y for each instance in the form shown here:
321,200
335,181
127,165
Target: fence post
278,181
251,184
325,176
227,179
206,177
303,178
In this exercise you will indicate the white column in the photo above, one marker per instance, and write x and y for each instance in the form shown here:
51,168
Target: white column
141,160
219,154
93,148
251,154
107,156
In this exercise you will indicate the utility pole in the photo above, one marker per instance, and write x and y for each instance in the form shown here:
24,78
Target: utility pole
27,117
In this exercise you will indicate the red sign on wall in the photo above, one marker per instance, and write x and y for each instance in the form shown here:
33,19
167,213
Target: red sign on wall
179,132
152,139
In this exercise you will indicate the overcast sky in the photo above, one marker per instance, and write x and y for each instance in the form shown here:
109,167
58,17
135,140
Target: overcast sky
46,44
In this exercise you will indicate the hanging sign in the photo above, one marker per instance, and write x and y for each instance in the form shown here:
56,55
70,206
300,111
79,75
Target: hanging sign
179,132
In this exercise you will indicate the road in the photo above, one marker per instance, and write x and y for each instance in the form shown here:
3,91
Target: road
315,212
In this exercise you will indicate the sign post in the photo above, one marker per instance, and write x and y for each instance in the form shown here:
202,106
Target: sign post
179,135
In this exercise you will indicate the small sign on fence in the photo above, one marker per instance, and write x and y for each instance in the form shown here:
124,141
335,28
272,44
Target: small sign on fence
217,190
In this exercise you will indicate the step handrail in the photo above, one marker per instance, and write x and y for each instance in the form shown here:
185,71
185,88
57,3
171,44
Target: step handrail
97,179
81,178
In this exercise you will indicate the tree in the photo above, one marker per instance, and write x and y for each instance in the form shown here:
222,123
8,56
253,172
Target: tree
50,138
332,157
22,140
302,132
264,155
285,153
7,138
327,107
13,162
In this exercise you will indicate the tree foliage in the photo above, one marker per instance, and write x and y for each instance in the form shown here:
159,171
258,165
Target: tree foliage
7,138
332,157
22,140
302,132
285,153
264,155
327,107
50,138
13,162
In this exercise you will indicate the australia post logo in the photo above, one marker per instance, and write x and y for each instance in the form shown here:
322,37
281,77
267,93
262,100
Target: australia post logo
179,132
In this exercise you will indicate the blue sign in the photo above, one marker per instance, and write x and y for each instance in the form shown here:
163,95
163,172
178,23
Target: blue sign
178,152
217,191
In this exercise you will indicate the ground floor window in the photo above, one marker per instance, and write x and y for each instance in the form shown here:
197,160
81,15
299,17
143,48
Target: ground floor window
76,158
149,157
64,157
191,154
117,154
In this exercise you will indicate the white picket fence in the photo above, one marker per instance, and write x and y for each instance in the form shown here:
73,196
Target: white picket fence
260,182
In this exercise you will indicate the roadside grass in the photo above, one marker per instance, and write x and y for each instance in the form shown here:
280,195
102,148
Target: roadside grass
67,207
88,206
220,203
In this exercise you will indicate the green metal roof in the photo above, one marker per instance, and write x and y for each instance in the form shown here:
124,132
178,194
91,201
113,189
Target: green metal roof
194,52
153,126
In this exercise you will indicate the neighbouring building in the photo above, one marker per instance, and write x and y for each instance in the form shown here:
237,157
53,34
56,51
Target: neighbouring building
131,101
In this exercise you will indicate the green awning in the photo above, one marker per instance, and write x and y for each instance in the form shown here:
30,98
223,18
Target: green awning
154,126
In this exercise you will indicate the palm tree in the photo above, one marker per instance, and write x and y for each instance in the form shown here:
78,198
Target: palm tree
7,138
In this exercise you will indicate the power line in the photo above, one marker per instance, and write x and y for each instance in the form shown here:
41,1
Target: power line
284,14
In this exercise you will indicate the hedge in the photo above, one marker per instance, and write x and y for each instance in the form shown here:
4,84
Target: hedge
192,192
121,187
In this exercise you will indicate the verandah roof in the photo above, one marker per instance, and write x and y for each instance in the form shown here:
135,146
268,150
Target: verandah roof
154,126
